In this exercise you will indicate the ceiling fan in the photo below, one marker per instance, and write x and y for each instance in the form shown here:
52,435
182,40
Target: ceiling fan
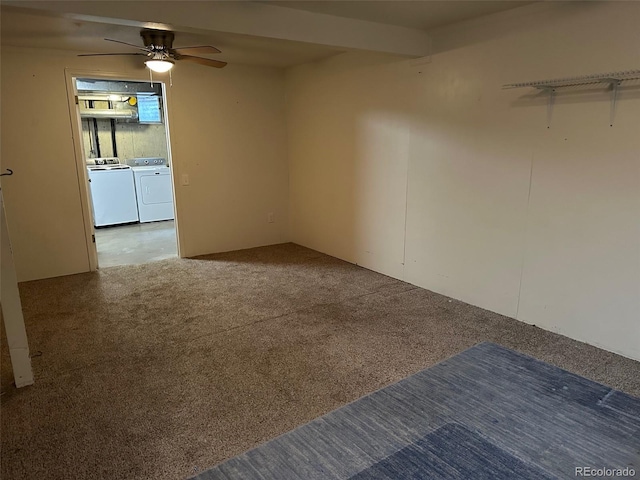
158,48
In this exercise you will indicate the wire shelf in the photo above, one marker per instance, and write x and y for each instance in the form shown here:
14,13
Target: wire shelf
609,78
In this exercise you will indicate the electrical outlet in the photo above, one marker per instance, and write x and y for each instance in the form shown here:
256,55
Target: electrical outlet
185,179
270,217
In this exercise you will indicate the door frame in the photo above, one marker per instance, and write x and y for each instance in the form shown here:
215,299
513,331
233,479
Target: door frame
71,74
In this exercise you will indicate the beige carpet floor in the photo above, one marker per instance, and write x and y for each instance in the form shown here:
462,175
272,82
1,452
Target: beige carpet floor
159,371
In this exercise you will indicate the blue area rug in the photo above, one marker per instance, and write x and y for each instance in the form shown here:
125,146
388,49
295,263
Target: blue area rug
486,413
452,452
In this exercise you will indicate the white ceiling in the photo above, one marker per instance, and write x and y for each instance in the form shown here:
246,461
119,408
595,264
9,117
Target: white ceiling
60,25
23,28
421,14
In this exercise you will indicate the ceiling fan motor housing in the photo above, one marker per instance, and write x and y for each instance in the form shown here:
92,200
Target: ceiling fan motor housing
157,40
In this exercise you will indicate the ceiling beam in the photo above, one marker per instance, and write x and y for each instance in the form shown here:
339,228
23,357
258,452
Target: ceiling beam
257,19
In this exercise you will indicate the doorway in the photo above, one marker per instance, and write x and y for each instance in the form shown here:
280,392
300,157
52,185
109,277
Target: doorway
126,162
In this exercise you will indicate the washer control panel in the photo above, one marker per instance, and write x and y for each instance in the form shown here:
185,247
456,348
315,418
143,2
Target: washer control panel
103,161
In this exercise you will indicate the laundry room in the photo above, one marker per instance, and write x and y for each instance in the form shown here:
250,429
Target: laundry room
125,144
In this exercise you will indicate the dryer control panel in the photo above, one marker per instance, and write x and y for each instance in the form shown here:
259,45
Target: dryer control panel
147,162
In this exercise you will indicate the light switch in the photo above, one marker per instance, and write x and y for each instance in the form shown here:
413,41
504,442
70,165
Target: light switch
185,179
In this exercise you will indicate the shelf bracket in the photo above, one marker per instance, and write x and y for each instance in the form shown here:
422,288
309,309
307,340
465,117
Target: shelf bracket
552,96
614,96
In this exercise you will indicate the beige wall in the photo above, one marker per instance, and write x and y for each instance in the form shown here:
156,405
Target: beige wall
228,135
348,127
433,174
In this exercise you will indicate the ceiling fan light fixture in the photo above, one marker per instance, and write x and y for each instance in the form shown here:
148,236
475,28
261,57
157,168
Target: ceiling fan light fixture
159,66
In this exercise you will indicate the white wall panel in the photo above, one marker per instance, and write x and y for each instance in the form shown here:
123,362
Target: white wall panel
539,224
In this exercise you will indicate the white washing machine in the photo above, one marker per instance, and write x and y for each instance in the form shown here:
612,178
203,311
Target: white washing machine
153,189
113,195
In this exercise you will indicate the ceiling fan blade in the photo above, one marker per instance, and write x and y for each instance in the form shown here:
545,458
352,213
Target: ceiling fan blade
202,61
197,50
129,44
103,54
